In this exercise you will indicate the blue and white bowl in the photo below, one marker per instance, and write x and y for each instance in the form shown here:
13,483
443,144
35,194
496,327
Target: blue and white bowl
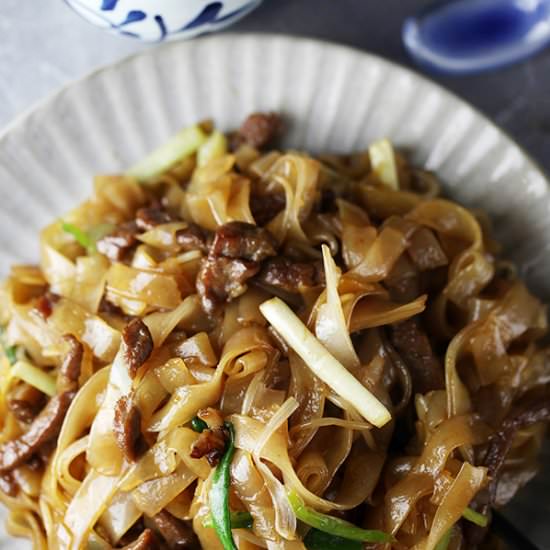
162,19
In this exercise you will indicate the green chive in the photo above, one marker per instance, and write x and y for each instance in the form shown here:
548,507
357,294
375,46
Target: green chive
334,526
445,540
219,494
198,425
9,351
317,540
239,520
475,517
11,354
81,237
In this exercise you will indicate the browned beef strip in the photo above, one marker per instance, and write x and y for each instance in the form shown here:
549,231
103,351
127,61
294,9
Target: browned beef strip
117,244
531,412
178,534
8,485
109,308
138,344
290,275
414,347
265,207
44,428
23,410
425,250
145,541
69,373
193,237
25,402
233,258
147,218
210,444
221,279
35,463
45,304
245,241
127,428
259,130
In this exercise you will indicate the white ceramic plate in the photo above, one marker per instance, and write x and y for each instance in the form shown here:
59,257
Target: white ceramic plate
336,98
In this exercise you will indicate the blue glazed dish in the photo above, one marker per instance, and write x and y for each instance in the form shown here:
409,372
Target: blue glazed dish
469,36
162,19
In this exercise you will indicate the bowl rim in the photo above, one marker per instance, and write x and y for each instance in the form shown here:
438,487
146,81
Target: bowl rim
232,37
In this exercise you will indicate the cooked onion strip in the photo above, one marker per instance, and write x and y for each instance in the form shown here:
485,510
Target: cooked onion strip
322,363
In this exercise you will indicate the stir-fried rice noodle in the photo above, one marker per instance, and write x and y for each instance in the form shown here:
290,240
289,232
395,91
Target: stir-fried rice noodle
343,337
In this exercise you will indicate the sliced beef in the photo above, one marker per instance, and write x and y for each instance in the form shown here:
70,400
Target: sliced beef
210,444
23,410
212,441
222,279
193,237
44,429
178,534
36,462
259,130
531,412
291,276
234,257
425,250
138,345
145,541
69,373
127,428
44,304
147,218
265,207
110,309
245,241
413,345
26,402
120,242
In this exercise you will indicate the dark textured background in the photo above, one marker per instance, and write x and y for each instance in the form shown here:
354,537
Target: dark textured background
45,45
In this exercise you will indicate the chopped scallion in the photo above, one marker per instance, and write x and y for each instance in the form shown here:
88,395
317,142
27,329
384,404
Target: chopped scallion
184,143
334,526
219,495
239,520
443,544
317,540
81,237
198,425
475,517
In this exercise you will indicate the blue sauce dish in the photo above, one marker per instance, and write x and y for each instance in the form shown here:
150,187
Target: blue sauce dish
469,36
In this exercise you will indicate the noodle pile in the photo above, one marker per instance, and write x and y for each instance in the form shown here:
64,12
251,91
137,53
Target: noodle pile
328,336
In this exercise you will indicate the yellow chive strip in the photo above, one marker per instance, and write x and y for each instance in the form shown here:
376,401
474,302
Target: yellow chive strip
35,377
184,143
322,363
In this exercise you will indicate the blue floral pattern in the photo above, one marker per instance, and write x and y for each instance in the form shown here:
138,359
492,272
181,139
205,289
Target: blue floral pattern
165,20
